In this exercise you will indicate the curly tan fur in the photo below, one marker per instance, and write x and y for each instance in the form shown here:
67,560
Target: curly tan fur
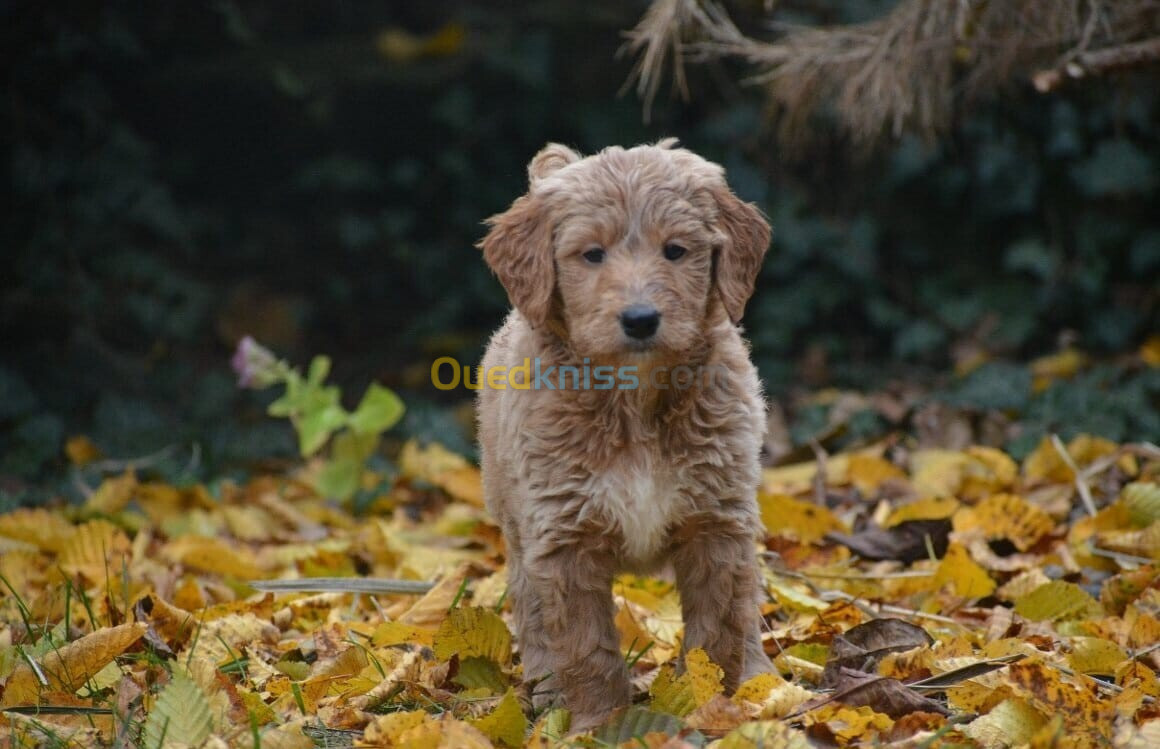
588,482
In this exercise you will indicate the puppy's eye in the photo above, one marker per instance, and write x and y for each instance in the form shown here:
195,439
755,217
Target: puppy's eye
674,251
594,256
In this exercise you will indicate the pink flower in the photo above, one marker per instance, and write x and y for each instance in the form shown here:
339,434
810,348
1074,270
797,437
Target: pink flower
256,365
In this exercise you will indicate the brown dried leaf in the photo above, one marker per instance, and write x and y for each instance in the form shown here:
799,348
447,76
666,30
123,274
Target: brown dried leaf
68,667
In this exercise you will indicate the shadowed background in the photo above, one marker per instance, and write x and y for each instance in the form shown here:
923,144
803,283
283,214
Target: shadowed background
315,175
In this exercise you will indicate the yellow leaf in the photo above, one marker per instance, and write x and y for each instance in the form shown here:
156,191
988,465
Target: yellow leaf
398,633
680,695
172,624
399,45
927,508
989,471
484,674
1022,584
68,667
428,463
716,716
250,523
1095,655
1150,351
757,688
463,484
1061,365
764,734
45,530
867,472
1142,501
506,724
1142,543
807,522
474,631
771,696
799,477
551,727
965,576
1057,600
848,724
1010,723
1082,708
706,676
80,450
433,606
793,595
112,495
938,473
97,550
215,556
1045,465
670,693
1006,516
222,639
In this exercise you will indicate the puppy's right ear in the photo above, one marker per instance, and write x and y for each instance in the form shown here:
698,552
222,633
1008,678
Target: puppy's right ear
550,158
518,248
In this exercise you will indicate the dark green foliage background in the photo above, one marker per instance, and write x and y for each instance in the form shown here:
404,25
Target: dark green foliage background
164,155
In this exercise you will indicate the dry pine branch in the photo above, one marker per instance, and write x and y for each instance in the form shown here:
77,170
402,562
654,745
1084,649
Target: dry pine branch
906,71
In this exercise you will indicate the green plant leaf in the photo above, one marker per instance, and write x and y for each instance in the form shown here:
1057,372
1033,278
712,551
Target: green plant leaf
379,410
287,404
351,445
339,479
319,369
180,716
316,426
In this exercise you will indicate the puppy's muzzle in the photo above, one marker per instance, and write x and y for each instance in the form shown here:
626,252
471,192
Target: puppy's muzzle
640,321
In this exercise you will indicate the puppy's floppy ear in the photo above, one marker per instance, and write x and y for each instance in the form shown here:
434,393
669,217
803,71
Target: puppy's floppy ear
747,236
550,158
519,249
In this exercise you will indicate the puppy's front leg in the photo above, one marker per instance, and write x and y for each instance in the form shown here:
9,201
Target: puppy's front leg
579,645
717,576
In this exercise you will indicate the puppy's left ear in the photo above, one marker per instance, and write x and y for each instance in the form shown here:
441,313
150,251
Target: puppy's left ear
747,236
518,248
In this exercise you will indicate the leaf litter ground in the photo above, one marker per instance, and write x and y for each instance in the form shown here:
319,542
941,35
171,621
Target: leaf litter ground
916,597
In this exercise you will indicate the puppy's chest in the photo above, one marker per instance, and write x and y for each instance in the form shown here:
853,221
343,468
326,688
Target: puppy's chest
642,500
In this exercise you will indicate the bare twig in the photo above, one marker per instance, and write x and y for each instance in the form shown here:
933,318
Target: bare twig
820,456
367,585
1098,62
858,576
875,609
1081,485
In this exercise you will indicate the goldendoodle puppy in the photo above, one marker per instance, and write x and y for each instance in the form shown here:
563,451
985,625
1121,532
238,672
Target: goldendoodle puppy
620,417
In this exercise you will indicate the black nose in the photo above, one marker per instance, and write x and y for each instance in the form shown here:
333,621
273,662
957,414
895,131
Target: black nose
640,320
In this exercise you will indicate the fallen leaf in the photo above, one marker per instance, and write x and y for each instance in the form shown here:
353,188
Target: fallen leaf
69,666
1057,600
474,631
907,541
506,724
963,574
1010,723
884,695
798,519
864,646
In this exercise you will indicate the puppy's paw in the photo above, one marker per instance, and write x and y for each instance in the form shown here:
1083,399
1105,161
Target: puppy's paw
546,695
